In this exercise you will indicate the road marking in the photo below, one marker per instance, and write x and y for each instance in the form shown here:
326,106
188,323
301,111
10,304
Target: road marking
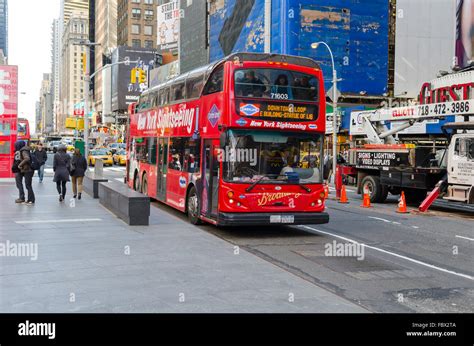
458,236
396,223
394,254
57,221
379,218
119,179
415,227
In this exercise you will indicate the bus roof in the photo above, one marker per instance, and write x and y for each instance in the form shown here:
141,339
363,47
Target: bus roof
242,57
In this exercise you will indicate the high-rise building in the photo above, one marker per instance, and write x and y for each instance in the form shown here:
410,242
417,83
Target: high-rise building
4,26
46,105
72,89
106,35
55,69
69,6
136,23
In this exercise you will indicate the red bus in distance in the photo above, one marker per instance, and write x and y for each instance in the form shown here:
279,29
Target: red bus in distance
23,130
236,142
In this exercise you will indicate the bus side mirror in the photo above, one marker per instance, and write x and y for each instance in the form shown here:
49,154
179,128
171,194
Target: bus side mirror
223,139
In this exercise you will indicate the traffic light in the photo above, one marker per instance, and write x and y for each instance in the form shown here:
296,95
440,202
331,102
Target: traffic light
84,63
133,75
142,76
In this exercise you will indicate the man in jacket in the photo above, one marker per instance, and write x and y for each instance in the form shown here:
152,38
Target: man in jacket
41,157
22,169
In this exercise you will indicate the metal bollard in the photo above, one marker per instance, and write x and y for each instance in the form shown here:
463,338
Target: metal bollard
99,168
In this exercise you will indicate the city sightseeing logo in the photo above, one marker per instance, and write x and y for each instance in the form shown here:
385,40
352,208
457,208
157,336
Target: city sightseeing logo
166,119
249,109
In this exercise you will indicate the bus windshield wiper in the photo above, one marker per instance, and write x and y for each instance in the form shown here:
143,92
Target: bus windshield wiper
248,189
304,187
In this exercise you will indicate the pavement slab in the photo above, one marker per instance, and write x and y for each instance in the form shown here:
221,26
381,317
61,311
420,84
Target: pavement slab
96,263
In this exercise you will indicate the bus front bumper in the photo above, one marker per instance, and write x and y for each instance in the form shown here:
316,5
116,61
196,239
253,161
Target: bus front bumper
258,219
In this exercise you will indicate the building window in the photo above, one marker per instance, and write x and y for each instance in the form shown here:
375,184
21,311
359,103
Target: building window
136,13
148,44
136,1
136,29
149,2
136,43
148,30
148,13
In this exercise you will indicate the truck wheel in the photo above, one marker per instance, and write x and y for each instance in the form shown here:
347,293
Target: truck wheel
193,207
371,184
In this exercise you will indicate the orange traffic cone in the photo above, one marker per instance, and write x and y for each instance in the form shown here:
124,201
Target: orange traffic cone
402,204
366,201
326,191
343,198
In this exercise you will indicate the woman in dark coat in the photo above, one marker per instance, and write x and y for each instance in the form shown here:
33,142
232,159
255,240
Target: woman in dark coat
78,170
61,168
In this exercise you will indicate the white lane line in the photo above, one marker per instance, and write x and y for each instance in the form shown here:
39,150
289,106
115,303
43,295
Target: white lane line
379,218
396,223
459,236
57,221
119,179
394,254
415,227
347,190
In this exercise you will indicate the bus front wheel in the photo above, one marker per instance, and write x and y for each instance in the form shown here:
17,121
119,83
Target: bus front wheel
193,207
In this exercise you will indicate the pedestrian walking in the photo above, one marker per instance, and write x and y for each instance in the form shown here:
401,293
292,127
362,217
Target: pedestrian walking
61,168
22,169
41,157
78,170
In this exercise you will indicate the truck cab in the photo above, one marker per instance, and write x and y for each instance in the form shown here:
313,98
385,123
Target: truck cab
460,168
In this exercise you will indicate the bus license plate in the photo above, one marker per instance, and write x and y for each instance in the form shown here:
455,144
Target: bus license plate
282,218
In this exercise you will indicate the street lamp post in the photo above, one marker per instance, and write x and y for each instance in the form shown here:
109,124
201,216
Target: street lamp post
315,45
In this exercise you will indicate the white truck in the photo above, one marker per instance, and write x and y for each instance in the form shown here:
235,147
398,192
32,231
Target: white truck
383,165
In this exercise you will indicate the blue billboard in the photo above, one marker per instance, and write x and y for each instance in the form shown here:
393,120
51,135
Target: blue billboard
356,31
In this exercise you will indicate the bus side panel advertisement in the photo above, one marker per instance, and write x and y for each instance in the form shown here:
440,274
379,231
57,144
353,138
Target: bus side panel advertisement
8,118
178,120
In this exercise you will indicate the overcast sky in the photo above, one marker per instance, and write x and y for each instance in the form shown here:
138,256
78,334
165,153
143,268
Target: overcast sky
29,46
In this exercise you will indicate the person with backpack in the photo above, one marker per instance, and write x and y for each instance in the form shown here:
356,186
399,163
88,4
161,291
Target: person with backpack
78,170
23,167
61,168
41,156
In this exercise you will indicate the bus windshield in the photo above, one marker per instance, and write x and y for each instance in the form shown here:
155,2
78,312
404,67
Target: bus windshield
276,84
268,156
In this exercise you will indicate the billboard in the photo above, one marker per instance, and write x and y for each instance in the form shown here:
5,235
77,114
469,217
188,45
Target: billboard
464,32
193,40
415,28
168,16
126,88
356,31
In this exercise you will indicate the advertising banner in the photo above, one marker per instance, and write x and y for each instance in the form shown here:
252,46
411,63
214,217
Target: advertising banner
127,86
8,117
464,32
168,26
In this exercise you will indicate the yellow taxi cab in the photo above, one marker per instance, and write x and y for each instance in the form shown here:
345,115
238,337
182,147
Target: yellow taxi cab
103,154
120,157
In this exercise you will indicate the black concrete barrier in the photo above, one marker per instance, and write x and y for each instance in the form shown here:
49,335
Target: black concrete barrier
131,206
91,183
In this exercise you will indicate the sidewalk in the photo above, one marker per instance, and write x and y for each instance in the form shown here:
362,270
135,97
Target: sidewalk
97,263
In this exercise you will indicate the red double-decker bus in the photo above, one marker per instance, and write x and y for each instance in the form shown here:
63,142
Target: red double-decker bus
237,142
24,130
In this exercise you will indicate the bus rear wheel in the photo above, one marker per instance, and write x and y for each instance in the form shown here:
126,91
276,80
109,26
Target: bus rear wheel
145,185
193,207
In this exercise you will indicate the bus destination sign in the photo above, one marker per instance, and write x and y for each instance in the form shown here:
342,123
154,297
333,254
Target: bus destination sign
282,112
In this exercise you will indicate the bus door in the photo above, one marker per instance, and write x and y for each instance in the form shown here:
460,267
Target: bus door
210,169
162,168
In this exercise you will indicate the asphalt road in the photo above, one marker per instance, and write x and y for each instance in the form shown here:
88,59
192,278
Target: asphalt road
411,262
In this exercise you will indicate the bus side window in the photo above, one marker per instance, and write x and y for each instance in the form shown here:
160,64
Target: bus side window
177,91
176,153
164,94
194,86
216,81
151,150
192,155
